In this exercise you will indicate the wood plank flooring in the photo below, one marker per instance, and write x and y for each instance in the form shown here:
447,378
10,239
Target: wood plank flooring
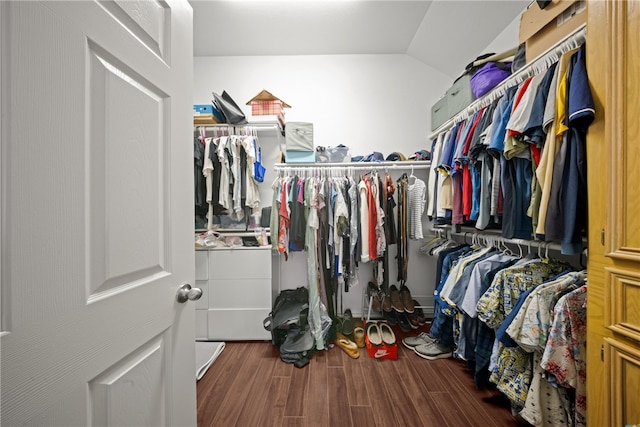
248,385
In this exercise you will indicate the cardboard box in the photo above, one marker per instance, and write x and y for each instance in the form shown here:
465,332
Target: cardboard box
535,19
382,351
204,119
569,20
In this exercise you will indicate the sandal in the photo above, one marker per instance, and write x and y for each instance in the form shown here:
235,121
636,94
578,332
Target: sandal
347,345
358,335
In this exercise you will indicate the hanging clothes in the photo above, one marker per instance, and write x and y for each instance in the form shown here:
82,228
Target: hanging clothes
520,162
498,312
417,199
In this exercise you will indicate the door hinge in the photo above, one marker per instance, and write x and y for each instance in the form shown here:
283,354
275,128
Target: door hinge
602,236
602,353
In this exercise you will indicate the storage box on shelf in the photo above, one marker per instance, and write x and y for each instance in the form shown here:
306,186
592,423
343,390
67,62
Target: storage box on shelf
541,29
456,98
292,156
203,115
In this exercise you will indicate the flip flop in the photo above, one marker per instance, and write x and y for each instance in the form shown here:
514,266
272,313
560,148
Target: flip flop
347,345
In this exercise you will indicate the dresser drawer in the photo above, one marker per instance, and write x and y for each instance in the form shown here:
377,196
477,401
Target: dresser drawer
238,325
240,293
240,263
202,265
203,302
201,325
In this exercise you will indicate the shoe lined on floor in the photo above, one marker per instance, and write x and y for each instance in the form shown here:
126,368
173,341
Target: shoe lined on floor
433,351
406,298
388,337
396,301
347,345
403,321
422,338
391,317
374,334
413,320
386,303
358,335
422,320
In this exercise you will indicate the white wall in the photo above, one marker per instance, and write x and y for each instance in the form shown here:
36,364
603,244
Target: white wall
367,102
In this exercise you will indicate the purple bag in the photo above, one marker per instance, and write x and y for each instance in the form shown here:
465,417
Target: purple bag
488,76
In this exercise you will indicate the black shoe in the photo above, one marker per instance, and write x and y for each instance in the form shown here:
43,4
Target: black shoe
404,323
391,317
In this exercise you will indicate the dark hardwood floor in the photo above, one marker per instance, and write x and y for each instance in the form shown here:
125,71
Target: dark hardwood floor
248,385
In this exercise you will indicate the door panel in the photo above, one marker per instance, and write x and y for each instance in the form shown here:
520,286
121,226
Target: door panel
132,392
624,210
97,217
613,323
624,382
623,302
128,146
149,21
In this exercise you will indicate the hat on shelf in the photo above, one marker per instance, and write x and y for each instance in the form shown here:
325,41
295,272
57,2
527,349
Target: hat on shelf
396,156
420,155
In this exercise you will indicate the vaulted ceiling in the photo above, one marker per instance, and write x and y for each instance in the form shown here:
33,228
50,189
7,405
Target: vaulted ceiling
444,34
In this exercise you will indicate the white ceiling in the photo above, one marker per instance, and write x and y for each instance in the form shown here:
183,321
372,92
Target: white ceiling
444,34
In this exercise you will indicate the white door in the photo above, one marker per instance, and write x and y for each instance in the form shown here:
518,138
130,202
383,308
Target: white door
97,213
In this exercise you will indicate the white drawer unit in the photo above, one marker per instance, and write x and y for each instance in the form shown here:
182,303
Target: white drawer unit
237,293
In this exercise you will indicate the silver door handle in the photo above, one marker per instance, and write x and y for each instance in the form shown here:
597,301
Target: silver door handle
186,293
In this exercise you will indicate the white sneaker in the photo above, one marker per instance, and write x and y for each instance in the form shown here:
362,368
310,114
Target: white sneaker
423,338
433,351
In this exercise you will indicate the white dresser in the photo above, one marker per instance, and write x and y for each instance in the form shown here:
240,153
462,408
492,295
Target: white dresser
237,293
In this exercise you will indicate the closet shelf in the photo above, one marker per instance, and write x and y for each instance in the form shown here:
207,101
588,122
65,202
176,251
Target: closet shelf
245,128
541,62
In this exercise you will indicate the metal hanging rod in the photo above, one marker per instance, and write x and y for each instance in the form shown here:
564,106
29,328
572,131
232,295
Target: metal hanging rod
539,64
402,165
224,126
491,238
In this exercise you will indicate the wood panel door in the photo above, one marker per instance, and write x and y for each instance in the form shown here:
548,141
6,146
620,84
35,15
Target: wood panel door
613,144
96,213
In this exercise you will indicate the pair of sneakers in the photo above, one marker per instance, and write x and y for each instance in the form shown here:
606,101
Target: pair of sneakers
427,347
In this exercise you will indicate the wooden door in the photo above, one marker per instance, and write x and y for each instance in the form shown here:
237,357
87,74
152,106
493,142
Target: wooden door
96,213
613,350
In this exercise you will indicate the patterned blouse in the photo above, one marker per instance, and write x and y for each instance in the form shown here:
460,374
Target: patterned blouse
512,373
565,353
